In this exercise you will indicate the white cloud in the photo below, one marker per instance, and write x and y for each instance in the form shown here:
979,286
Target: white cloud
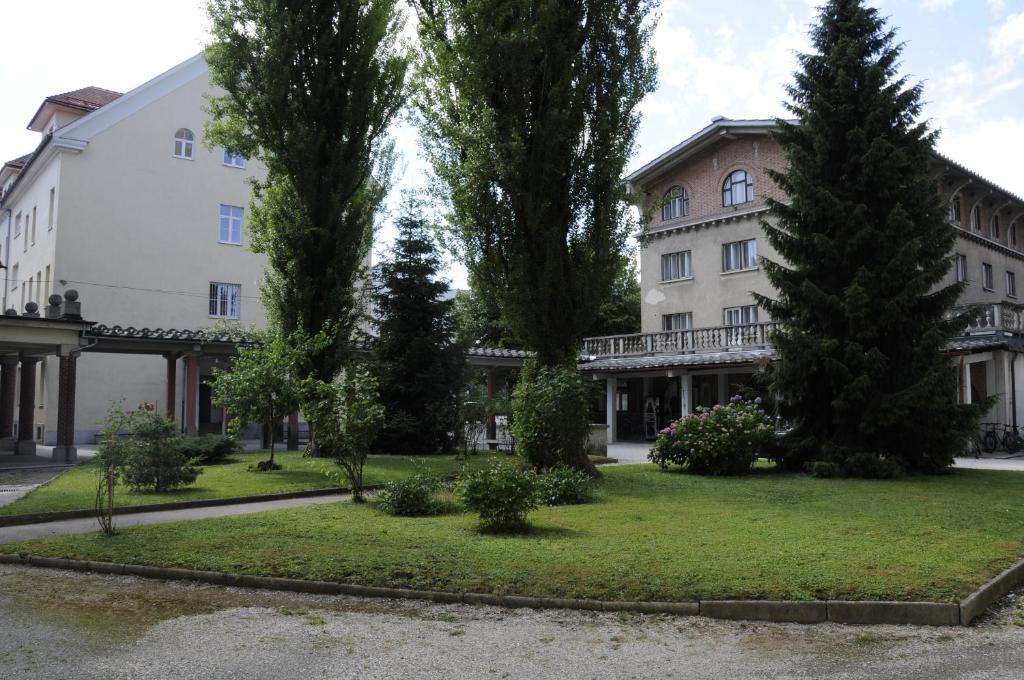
992,148
1007,38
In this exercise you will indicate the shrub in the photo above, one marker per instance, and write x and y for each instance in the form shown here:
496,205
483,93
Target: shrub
502,494
209,450
869,466
410,497
550,414
822,469
562,485
724,440
151,456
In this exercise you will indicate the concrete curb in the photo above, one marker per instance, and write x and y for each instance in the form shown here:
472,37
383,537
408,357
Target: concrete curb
788,611
44,517
989,593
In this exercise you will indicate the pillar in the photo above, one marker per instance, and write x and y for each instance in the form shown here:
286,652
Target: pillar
293,432
65,451
492,388
172,383
191,395
26,445
611,386
8,383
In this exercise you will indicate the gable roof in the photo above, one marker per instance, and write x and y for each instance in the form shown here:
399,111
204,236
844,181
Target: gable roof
19,162
86,99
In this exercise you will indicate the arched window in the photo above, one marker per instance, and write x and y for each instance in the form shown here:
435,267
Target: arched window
954,210
677,204
1013,234
738,189
184,141
995,226
976,218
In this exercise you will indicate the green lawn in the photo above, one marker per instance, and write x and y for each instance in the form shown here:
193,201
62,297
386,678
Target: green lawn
650,536
76,488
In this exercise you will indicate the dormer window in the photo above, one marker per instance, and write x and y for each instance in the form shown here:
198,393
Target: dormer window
184,141
677,204
738,189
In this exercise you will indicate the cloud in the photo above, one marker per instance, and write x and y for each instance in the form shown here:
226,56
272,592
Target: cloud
1007,39
933,5
992,148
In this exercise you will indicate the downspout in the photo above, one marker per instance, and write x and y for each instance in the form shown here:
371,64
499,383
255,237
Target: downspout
7,254
1013,389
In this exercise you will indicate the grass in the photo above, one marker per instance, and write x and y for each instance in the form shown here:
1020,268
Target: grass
650,536
76,488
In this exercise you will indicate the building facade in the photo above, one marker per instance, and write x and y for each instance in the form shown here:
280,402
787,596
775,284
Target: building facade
702,333
123,202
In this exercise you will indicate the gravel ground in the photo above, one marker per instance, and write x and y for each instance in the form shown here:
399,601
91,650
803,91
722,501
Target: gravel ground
67,625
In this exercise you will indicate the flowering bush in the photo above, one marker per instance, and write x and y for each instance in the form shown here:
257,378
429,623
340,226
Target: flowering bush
724,440
502,494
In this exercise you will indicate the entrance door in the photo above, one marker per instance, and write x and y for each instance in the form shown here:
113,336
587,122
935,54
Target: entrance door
211,417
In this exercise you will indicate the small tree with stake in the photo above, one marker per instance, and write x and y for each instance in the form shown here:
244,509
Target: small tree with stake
347,417
263,384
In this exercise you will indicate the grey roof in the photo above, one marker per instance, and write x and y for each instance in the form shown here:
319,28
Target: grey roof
640,363
977,343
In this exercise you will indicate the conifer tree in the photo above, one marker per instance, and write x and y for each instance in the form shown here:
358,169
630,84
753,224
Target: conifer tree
418,364
865,245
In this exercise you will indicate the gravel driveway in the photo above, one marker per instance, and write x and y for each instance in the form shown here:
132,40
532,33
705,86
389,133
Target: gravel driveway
68,625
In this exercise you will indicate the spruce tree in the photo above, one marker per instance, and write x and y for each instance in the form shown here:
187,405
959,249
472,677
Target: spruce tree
418,364
865,245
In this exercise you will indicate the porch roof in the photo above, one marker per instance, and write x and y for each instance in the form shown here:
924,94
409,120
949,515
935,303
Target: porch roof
656,361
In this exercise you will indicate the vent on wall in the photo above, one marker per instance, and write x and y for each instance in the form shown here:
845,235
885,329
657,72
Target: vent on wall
40,431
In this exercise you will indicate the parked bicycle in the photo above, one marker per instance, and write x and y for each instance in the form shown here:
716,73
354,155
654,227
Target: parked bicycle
998,436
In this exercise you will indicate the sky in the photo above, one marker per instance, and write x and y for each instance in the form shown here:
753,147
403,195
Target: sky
715,58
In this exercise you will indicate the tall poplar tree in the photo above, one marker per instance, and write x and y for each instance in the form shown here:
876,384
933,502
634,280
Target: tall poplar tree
866,245
528,114
310,90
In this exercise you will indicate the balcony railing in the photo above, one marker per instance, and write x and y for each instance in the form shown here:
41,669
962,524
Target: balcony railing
718,339
998,316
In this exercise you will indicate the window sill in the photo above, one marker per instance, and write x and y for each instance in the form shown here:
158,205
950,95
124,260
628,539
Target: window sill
988,290
236,167
740,271
224,318
183,158
229,243
670,282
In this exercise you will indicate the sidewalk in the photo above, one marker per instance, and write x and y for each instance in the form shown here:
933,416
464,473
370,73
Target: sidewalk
85,525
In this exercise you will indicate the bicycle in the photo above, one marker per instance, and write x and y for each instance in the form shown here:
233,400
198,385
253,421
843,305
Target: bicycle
1011,440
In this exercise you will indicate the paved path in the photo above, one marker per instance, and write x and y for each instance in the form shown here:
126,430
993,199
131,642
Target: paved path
86,524
630,453
69,625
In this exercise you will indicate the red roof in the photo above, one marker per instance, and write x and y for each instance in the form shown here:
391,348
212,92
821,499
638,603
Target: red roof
88,98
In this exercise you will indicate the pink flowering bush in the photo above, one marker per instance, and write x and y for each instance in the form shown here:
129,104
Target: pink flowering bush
724,440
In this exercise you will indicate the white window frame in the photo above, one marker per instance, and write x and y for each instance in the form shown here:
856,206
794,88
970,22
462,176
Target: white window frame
184,144
17,226
234,160
960,267
954,210
976,218
14,277
677,204
230,224
225,300
739,255
987,281
1011,284
677,266
744,315
735,180
679,321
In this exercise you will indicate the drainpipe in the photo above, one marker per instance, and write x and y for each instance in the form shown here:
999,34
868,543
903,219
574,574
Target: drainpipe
1013,389
7,254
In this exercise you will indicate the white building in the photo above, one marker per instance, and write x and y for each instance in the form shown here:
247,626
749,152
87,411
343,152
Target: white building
123,202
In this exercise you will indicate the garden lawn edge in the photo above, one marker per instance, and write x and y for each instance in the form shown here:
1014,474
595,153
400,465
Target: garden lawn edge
56,516
792,611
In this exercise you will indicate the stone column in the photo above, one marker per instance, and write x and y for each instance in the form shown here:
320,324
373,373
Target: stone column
611,387
492,388
192,395
8,384
26,445
172,383
65,451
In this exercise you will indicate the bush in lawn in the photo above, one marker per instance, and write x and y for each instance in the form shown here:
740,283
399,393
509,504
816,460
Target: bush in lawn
211,449
502,494
562,485
145,450
411,497
724,440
